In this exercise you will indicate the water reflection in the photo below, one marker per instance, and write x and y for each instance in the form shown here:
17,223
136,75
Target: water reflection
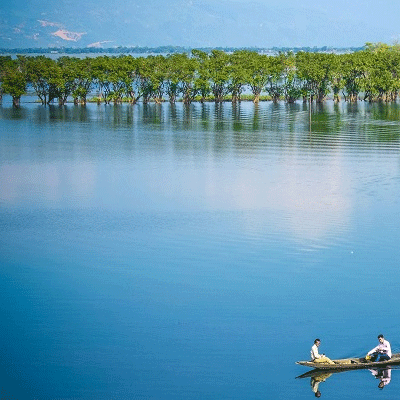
384,375
316,380
333,125
253,157
387,112
13,113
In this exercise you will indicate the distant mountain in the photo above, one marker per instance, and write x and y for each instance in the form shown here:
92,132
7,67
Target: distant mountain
192,23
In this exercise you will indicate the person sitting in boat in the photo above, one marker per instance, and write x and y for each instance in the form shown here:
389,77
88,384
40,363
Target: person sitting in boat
382,352
316,357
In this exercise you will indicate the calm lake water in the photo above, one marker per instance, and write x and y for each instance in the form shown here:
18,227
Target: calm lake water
172,252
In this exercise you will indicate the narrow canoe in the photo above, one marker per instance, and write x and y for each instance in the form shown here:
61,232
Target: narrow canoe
351,363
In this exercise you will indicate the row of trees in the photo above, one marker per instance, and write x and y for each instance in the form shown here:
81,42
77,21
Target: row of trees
373,73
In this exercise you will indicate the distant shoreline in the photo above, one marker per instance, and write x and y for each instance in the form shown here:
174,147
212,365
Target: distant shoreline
172,49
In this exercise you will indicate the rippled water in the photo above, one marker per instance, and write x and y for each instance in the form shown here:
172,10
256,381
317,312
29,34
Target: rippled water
172,252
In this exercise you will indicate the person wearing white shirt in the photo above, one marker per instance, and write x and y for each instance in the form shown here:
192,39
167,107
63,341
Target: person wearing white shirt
316,357
382,352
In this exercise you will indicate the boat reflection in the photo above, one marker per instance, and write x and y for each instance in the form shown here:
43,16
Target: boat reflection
384,375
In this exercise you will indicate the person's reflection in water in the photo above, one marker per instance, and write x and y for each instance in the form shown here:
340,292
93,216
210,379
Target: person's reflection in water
316,380
384,374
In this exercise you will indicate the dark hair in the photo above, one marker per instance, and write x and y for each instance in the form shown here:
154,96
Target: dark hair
317,393
380,336
317,340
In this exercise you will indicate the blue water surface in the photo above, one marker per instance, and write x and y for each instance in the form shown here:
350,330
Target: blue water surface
174,252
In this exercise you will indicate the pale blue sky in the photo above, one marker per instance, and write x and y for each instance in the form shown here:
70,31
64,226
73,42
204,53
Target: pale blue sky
373,21
200,23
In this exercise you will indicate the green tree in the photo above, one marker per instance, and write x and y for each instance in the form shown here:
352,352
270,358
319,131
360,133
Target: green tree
42,74
152,71
274,85
175,65
5,62
130,79
218,72
84,80
291,83
238,73
119,78
202,79
64,78
258,72
337,82
353,71
14,81
381,79
315,70
188,68
101,73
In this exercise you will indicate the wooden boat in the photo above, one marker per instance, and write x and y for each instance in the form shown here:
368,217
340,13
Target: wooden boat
351,363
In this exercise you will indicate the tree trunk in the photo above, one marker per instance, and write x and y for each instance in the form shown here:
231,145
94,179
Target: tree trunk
132,98
16,100
320,97
353,98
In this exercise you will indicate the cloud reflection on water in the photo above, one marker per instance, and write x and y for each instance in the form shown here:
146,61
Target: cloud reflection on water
199,158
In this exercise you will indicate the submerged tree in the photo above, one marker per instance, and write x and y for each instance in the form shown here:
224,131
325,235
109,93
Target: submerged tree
64,78
315,70
274,85
202,79
258,71
14,81
84,81
373,73
218,73
291,82
354,73
188,67
42,73
237,73
5,62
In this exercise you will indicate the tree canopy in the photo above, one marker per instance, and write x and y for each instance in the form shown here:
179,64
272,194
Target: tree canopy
372,74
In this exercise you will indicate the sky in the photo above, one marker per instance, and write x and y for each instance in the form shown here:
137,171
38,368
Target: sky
199,23
375,15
